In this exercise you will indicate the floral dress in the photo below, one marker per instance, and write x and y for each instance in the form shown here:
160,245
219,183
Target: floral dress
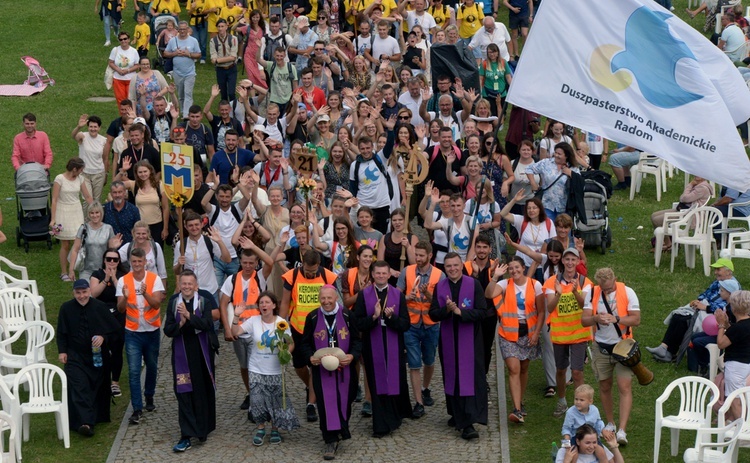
151,88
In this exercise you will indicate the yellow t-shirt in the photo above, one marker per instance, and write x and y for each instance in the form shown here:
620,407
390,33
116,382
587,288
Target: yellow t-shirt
387,5
231,15
200,5
141,34
471,20
166,6
313,14
213,17
442,15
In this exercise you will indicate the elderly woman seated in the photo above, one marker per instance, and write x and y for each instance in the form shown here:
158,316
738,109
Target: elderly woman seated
735,340
679,320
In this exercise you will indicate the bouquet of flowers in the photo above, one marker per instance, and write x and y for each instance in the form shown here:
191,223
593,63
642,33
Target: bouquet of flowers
178,199
283,340
306,186
55,229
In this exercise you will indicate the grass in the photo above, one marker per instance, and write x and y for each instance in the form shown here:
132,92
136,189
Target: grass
66,37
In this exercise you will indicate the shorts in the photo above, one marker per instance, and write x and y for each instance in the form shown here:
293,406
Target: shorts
242,348
735,375
570,355
421,344
604,365
624,159
517,21
298,360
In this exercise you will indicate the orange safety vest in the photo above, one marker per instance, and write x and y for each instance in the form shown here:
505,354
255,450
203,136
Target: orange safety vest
565,320
508,311
351,278
132,313
621,300
251,302
419,309
470,269
305,295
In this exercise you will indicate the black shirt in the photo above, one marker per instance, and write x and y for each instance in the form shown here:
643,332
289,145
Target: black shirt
147,152
739,334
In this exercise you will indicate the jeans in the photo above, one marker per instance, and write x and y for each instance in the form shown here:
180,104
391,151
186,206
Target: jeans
200,34
227,80
224,270
142,345
109,23
697,354
184,92
421,344
143,7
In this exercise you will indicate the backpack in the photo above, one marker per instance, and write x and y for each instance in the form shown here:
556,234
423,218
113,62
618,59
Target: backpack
209,246
356,43
525,224
296,272
126,264
269,77
381,168
215,41
272,44
215,217
278,126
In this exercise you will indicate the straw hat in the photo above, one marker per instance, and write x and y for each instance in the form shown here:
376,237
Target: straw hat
330,357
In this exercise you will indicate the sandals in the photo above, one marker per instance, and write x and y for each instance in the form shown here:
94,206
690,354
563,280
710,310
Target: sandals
260,436
275,437
65,277
549,391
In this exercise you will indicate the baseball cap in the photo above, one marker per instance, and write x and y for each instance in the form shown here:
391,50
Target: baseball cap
323,118
730,285
573,251
302,21
139,120
81,284
723,262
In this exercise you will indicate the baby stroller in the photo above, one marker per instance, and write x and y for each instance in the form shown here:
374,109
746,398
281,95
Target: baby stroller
596,232
160,24
37,77
33,205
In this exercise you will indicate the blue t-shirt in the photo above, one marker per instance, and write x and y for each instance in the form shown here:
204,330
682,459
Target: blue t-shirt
522,4
184,66
739,198
223,163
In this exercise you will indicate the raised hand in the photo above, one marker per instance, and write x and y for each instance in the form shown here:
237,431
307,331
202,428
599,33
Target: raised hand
390,123
214,234
83,120
215,90
127,162
451,158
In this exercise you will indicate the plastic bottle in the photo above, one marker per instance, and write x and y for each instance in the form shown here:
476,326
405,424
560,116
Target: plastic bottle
96,352
554,450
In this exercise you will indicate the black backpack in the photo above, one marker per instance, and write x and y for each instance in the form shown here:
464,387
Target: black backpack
381,168
215,216
269,74
272,44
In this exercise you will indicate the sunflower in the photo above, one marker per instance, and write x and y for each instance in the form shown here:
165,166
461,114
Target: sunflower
282,325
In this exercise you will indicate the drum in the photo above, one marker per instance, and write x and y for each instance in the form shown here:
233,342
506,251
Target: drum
628,353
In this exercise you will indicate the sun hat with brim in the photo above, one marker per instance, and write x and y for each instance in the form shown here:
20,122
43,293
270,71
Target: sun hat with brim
330,357
723,262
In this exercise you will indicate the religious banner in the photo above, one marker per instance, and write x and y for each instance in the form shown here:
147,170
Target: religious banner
177,172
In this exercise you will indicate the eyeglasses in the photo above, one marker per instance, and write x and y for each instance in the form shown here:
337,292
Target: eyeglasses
112,259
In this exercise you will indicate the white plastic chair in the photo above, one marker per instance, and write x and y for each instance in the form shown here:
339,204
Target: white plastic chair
648,164
8,281
743,395
721,451
38,335
715,360
700,236
7,424
42,378
666,230
10,408
732,215
18,268
738,245
697,396
18,306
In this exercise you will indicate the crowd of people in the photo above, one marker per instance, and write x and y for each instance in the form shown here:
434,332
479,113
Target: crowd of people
326,264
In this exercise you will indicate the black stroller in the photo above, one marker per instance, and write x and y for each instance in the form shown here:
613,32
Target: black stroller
33,205
596,232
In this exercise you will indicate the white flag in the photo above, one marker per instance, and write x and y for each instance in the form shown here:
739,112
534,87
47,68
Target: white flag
632,72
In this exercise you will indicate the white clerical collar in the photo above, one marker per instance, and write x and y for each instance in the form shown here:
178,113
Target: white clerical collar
383,288
332,312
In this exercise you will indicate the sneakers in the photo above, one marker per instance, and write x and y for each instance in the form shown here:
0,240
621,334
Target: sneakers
107,43
560,409
469,433
203,61
523,409
516,416
366,409
330,452
610,427
115,389
620,186
418,411
182,445
312,414
150,407
245,403
427,399
135,418
622,437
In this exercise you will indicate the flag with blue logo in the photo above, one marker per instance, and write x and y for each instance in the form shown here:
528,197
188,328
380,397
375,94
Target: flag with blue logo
634,73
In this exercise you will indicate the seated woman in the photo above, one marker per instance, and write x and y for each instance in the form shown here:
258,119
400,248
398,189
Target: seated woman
697,354
588,450
735,340
679,320
696,193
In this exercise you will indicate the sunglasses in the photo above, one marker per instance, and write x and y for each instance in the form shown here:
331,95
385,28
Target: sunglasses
322,17
112,259
488,143
404,118
121,39
178,129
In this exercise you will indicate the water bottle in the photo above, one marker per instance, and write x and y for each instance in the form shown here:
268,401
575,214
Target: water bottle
554,451
96,352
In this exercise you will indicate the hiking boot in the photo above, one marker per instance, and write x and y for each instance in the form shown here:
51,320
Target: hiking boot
418,411
150,407
245,403
560,409
312,415
516,416
366,409
135,418
427,399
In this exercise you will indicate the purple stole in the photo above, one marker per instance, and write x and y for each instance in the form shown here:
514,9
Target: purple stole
331,393
386,371
464,363
181,367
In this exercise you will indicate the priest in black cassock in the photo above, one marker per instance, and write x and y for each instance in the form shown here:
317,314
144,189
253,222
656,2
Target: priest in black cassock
190,325
83,323
382,317
460,307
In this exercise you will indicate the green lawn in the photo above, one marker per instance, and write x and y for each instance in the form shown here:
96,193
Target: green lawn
66,37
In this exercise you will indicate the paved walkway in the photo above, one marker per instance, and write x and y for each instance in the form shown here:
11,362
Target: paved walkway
426,439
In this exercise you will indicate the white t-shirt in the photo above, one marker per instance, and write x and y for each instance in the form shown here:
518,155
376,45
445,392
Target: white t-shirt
456,124
521,294
227,290
608,334
521,181
413,105
425,20
227,224
90,150
273,129
140,301
595,142
486,211
124,59
198,259
373,186
387,46
292,241
263,359
439,238
459,235
154,263
560,458
533,236
549,144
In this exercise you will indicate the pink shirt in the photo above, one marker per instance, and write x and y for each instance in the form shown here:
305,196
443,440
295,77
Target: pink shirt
35,148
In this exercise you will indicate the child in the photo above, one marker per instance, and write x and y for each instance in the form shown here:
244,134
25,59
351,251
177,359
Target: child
232,14
583,412
141,36
414,57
